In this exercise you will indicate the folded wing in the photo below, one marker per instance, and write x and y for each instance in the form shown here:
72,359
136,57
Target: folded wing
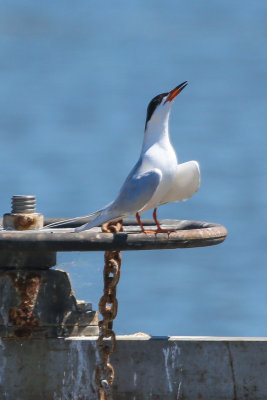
134,195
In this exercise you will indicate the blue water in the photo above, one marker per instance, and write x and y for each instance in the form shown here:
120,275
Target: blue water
75,81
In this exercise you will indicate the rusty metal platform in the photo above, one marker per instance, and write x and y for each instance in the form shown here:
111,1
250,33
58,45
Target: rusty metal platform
186,234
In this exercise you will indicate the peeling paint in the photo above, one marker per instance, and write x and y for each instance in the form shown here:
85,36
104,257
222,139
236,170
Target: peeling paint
134,378
97,355
179,390
175,350
172,356
166,357
73,383
176,358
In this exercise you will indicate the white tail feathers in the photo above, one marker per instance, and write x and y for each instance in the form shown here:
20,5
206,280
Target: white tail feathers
99,220
66,221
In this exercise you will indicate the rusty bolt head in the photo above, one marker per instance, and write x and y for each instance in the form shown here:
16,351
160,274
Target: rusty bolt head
23,222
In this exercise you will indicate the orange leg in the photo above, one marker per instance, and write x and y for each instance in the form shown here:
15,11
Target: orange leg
159,229
141,225
156,219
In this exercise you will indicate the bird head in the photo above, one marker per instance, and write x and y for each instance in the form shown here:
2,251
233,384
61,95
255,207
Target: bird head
159,107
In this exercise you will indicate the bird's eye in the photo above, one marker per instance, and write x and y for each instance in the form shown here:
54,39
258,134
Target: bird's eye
154,104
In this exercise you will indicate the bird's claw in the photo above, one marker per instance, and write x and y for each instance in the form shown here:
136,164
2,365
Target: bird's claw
159,230
149,232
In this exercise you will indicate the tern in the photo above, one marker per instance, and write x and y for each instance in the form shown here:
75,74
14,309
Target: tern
156,178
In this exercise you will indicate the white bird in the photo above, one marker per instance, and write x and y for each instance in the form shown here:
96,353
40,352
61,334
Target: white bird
157,178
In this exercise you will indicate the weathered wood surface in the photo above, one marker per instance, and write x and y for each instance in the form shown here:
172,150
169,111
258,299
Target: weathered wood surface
186,234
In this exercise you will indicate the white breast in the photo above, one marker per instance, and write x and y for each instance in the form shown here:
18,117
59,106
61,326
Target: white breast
164,158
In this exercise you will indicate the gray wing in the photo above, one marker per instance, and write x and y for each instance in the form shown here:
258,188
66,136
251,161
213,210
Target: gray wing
136,192
134,195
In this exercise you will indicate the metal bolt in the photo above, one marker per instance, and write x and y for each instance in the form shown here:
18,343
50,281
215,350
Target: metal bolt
22,204
23,216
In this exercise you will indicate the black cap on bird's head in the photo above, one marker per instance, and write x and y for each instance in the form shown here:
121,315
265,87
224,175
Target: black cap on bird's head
167,97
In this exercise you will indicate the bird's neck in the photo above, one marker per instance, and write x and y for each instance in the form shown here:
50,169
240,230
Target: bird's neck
157,132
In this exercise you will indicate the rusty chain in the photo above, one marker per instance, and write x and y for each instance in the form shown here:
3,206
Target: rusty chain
108,307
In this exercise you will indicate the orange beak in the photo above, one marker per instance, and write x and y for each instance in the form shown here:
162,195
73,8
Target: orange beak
174,92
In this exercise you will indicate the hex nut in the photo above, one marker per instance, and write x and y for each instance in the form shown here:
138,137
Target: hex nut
23,222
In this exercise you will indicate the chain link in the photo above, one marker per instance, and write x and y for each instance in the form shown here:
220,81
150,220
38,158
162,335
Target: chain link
108,307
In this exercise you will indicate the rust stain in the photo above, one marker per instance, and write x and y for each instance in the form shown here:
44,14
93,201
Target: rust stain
24,222
22,316
94,320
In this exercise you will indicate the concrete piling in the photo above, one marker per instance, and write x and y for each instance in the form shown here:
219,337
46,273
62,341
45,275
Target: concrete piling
168,368
48,339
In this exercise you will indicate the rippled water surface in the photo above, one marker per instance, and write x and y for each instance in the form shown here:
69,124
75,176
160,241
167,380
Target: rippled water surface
76,78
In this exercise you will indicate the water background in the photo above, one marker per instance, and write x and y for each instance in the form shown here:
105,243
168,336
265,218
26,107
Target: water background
75,81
